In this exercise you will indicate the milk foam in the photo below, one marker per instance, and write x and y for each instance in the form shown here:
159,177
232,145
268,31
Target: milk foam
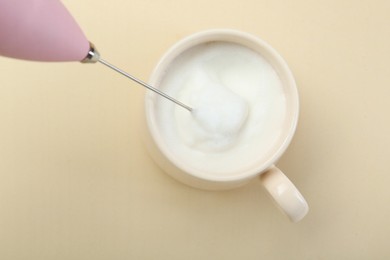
238,107
217,117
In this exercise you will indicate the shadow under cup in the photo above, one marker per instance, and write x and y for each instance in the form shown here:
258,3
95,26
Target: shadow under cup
159,148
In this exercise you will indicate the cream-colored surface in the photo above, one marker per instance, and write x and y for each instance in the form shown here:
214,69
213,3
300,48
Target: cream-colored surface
77,183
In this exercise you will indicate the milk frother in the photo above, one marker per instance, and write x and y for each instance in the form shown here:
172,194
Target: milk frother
44,30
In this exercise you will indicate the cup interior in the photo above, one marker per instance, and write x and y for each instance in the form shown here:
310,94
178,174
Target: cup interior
273,58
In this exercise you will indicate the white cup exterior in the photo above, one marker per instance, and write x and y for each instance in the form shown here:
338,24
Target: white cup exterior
185,174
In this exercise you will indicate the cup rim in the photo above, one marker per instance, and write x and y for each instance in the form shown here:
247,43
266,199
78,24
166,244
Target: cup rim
212,35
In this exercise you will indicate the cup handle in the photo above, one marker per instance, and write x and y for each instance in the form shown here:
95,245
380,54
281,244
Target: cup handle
285,194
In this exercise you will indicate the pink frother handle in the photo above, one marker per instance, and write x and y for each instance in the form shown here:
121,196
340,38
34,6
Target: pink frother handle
43,30
40,30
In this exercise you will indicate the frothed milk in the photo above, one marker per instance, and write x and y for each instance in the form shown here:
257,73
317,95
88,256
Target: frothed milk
238,108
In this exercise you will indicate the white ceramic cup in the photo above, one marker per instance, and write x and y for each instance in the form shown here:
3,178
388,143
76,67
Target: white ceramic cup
280,188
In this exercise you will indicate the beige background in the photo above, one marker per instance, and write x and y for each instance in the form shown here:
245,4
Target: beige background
77,183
